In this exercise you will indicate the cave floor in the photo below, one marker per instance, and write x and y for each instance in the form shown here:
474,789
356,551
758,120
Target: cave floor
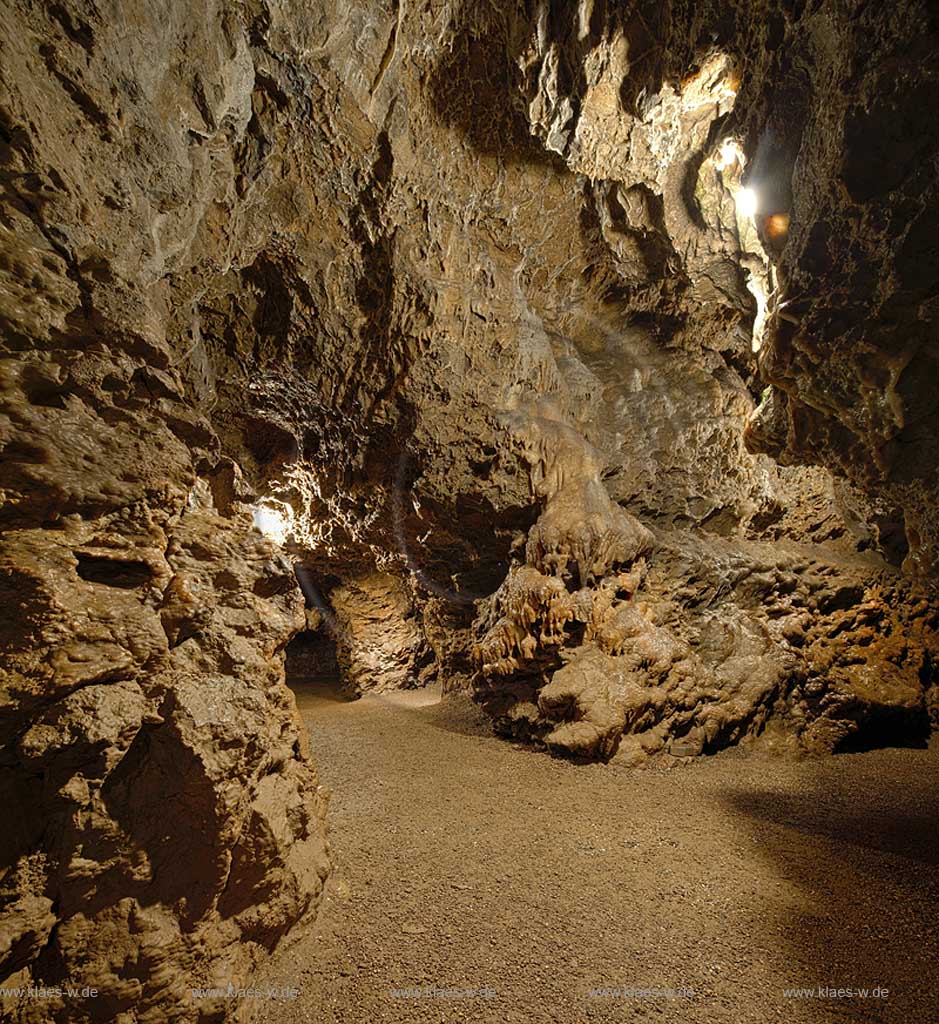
478,881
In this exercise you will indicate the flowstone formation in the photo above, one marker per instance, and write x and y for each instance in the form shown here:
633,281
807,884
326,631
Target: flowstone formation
562,606
606,640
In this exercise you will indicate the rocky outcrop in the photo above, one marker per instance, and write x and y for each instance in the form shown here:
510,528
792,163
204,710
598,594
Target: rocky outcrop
379,642
168,822
608,641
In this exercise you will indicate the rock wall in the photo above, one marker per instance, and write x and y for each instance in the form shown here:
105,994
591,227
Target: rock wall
166,822
852,360
678,119
379,641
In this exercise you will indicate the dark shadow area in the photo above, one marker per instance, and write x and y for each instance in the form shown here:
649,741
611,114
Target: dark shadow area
467,554
311,661
854,845
885,827
888,726
477,87
113,572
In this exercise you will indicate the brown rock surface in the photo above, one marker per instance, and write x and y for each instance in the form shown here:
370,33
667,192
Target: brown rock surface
166,808
463,298
168,826
380,645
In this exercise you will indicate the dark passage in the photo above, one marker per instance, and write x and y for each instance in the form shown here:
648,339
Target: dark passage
311,660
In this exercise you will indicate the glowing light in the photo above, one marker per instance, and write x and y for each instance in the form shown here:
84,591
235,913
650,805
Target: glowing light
728,155
746,202
729,162
777,226
276,523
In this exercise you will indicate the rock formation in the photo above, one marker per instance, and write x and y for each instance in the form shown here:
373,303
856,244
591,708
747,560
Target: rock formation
167,826
578,355
373,625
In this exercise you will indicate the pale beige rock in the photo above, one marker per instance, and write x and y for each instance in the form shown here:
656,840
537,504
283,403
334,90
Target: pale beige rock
379,642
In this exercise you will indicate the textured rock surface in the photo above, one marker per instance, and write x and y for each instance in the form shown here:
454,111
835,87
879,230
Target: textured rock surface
467,292
379,643
168,822
167,827
852,362
686,643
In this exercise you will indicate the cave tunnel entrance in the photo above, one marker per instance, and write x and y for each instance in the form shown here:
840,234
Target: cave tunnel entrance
311,661
312,664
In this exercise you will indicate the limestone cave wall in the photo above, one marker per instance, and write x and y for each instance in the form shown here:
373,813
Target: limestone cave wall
469,298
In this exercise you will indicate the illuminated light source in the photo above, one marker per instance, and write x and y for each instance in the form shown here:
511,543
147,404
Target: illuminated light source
746,202
728,155
274,521
777,226
729,162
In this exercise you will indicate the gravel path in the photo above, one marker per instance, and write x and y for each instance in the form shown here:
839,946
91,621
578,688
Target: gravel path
478,881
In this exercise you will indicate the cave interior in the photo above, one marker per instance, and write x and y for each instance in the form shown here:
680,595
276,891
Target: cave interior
520,407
